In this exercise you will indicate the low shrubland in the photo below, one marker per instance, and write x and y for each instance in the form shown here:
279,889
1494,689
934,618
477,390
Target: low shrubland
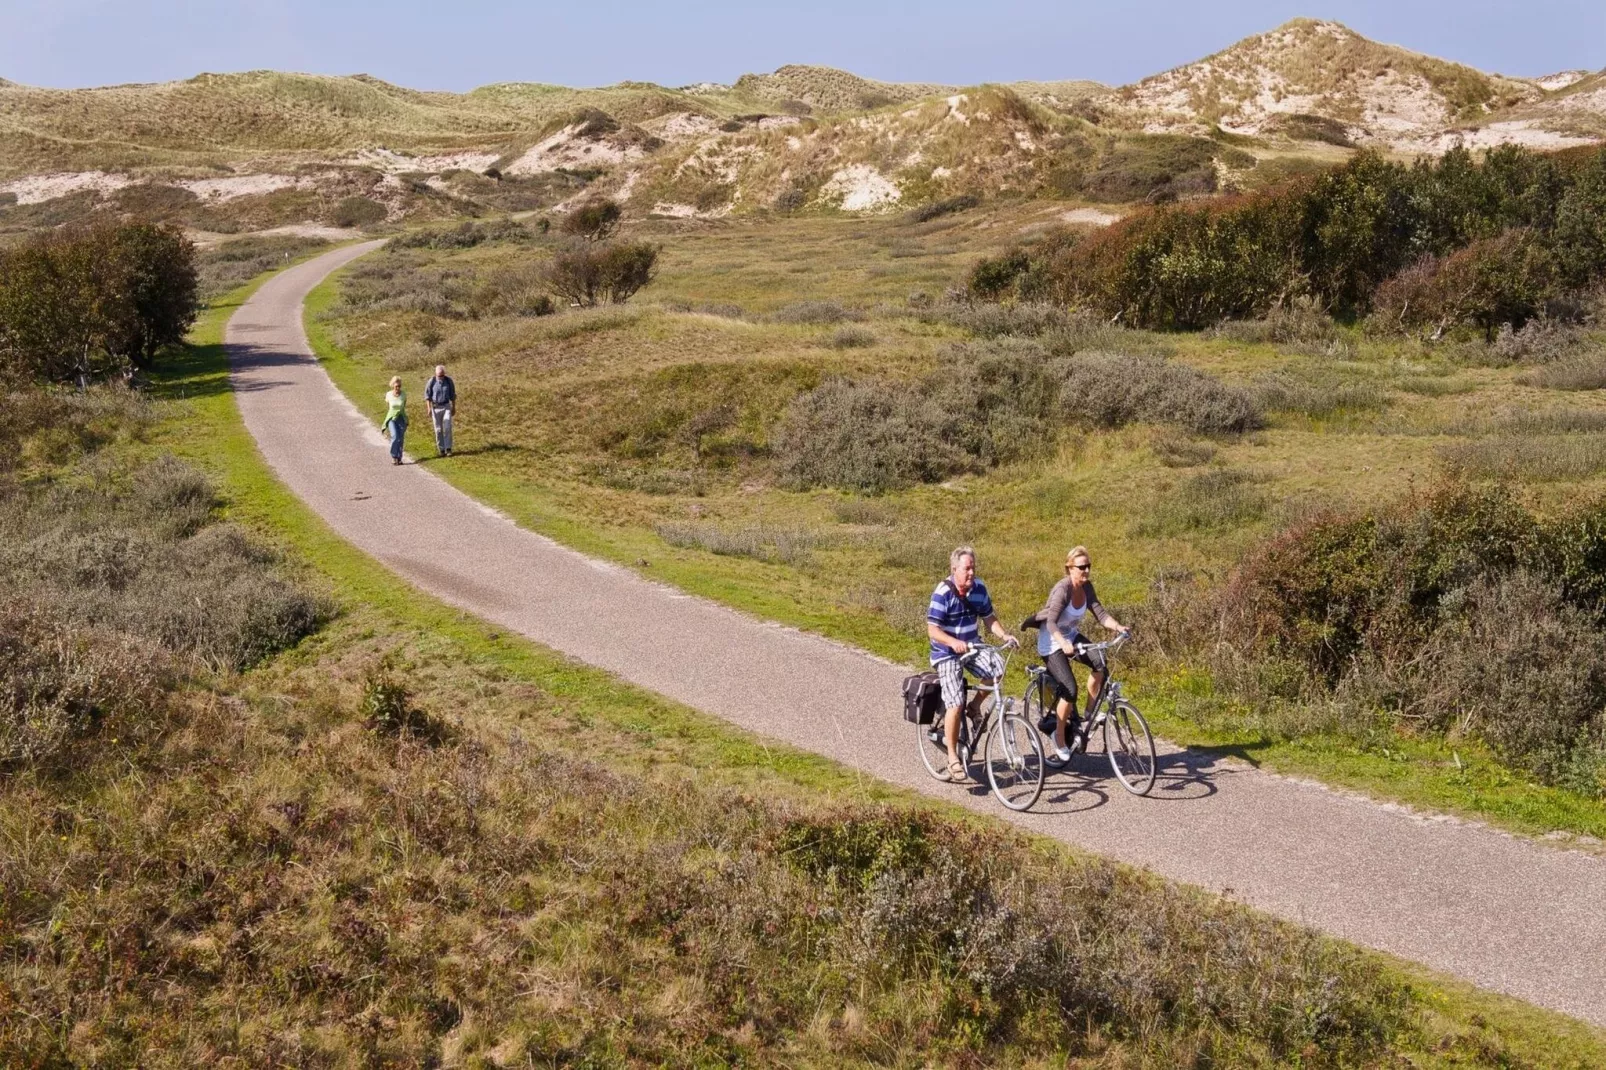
229,264
1457,612
1430,247
990,404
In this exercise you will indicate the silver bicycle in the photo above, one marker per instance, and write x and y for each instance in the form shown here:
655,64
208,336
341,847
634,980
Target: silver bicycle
1127,740
1012,750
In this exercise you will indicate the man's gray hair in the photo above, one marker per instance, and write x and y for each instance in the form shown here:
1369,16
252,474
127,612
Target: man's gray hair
962,551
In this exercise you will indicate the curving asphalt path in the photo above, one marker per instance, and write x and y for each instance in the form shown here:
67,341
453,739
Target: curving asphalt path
1500,911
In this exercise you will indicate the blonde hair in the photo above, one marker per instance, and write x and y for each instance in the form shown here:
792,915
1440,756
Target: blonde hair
395,382
1074,553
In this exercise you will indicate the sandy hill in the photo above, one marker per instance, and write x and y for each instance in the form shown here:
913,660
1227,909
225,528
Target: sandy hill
265,148
1271,82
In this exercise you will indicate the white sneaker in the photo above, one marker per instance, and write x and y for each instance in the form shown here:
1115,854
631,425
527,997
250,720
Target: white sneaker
1060,756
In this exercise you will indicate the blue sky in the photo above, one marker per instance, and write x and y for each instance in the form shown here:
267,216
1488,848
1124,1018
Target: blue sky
459,44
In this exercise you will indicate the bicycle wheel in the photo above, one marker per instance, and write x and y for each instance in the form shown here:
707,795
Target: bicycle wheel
1131,748
1037,701
933,751
1014,757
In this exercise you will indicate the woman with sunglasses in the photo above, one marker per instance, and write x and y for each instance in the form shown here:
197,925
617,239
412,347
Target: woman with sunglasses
1059,638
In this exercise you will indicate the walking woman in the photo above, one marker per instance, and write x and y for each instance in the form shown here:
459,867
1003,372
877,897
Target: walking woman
395,424
1059,637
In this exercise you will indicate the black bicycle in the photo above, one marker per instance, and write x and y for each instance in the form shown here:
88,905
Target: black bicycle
1127,740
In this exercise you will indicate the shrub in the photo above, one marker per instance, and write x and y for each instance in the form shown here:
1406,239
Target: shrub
1114,389
1494,281
594,220
851,338
465,235
993,277
1318,397
357,212
1525,456
592,274
1207,502
1144,167
865,437
937,209
60,683
230,264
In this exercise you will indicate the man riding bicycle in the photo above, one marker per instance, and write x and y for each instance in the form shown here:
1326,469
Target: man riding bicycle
958,605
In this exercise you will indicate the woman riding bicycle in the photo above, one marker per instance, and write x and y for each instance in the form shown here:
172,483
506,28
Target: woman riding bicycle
1059,636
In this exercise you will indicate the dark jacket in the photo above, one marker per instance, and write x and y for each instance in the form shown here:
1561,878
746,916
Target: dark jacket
440,391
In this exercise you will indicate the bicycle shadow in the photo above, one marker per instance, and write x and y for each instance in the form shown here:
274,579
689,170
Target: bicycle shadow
1179,776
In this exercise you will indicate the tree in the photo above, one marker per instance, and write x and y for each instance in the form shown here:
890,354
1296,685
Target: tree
92,303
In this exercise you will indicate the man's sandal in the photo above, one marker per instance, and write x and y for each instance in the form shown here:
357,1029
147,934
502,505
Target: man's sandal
956,770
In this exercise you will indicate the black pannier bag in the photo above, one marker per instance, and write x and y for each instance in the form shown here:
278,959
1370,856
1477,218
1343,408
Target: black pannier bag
922,698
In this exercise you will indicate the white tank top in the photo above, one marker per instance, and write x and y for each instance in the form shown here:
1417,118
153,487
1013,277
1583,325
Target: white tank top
1070,623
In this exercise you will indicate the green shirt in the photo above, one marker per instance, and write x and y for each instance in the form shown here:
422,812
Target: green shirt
397,402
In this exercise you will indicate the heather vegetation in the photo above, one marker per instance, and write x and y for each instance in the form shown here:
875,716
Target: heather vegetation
358,853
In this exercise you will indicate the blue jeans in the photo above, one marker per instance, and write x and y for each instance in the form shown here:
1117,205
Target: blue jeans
398,432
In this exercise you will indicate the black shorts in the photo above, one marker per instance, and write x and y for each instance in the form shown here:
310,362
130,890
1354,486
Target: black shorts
1059,671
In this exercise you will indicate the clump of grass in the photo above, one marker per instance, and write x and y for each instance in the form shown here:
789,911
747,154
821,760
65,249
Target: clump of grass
851,338
1178,451
387,707
937,209
818,312
465,235
1578,373
1545,458
1209,502
791,546
1320,397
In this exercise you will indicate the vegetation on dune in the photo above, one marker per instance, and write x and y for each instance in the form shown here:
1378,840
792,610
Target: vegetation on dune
1432,246
81,305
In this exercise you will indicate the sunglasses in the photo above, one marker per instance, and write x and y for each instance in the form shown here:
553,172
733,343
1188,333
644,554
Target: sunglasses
1082,568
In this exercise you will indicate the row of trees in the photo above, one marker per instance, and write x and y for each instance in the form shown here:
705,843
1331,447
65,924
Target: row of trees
96,302
1486,243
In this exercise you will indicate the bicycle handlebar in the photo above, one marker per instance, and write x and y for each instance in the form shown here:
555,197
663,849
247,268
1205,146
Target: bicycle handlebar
1109,646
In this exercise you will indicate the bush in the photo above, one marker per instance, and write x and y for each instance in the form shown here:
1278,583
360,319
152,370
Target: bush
864,437
1114,389
1581,373
1208,502
592,274
851,338
233,263
1506,280
937,209
594,220
466,235
357,212
77,305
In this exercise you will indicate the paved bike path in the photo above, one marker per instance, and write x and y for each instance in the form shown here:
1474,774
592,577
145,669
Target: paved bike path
1495,909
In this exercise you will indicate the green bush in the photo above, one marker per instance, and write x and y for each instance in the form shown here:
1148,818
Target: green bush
465,235
357,212
1115,389
866,437
86,304
594,220
590,274
1504,280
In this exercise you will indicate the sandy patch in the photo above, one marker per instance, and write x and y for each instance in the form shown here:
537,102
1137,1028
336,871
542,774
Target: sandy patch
687,211
681,125
953,109
234,186
861,188
1560,80
778,122
1524,132
565,149
395,163
1089,217
36,188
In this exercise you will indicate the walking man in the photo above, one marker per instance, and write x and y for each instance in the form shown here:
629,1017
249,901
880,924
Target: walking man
440,397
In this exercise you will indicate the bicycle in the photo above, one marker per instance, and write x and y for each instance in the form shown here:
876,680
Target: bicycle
1012,749
1127,740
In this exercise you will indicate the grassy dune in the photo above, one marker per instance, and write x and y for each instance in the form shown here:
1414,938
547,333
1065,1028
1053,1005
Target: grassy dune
577,425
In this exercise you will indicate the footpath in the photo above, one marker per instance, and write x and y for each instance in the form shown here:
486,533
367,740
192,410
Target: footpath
1500,911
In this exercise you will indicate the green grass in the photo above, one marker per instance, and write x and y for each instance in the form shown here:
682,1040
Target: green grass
1460,1025
527,446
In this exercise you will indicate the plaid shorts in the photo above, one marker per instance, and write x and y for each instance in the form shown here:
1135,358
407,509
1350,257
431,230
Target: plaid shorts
952,677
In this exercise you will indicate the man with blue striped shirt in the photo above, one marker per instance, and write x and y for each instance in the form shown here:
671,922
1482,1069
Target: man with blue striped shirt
959,606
